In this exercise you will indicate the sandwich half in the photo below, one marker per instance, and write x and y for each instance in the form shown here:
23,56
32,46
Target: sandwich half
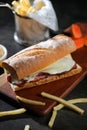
42,63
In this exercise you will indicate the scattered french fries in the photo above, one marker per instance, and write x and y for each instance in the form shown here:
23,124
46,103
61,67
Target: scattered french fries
64,102
60,106
73,101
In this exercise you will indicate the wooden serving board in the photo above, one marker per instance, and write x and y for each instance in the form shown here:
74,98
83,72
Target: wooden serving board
59,88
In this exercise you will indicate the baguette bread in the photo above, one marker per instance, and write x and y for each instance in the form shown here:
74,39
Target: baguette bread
27,65
39,56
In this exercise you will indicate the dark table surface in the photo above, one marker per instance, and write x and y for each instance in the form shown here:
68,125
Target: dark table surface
66,119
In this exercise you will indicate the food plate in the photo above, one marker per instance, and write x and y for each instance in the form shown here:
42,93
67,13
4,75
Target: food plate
59,88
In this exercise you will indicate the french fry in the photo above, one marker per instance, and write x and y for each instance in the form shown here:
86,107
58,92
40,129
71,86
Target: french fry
25,3
30,9
20,11
28,101
27,127
15,4
40,4
52,119
12,112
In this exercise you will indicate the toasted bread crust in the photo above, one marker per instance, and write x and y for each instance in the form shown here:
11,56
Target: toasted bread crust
50,79
37,57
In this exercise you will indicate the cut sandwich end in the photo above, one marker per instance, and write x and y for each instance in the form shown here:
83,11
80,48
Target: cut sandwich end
50,79
10,70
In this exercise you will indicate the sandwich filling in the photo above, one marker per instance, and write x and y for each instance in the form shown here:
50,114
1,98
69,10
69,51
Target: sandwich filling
63,65
59,67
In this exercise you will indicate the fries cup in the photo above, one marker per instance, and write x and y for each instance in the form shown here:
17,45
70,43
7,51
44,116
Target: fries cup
29,31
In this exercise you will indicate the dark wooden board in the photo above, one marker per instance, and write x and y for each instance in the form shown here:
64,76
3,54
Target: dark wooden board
59,88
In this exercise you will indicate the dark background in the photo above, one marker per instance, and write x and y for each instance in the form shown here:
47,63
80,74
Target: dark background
67,12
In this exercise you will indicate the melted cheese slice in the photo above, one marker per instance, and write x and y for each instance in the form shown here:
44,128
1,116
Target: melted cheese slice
60,66
63,65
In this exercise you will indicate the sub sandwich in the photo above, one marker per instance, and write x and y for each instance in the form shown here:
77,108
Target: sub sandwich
42,63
